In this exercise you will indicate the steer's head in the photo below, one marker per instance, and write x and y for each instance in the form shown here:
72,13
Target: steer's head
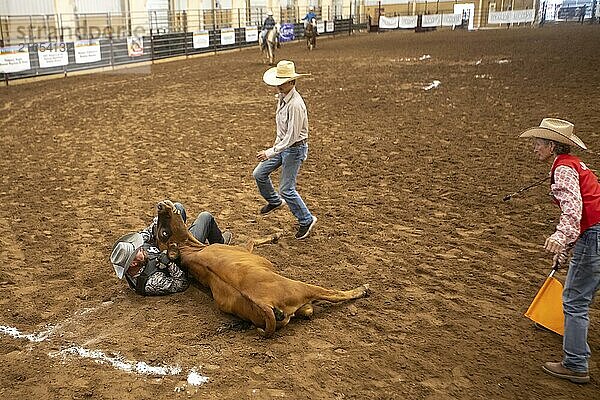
171,232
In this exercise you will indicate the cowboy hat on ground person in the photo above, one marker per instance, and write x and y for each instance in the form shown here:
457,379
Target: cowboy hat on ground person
285,71
124,251
557,130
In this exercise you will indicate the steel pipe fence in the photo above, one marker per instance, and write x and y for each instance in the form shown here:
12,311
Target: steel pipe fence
59,44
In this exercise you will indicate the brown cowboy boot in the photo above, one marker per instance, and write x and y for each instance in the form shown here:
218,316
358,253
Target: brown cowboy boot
557,370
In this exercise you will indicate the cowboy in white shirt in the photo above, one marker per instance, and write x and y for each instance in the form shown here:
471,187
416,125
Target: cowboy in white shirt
289,151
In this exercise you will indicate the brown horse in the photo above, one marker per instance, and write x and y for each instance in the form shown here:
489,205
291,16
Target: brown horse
242,283
311,35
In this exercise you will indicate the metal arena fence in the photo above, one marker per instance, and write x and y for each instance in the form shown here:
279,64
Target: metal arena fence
39,45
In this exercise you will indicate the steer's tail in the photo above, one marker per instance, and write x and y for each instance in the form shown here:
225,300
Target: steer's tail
336,296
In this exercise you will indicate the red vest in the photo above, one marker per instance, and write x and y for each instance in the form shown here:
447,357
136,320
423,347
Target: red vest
588,185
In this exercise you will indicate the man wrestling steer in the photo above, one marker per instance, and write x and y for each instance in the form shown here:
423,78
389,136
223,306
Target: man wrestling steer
242,283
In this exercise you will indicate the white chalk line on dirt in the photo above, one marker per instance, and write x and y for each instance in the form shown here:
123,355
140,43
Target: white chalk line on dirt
118,362
32,337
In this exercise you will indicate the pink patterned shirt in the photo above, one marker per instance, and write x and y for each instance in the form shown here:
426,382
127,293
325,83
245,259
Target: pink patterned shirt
566,191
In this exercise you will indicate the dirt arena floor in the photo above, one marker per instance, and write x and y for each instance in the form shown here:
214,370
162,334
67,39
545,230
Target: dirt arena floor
407,184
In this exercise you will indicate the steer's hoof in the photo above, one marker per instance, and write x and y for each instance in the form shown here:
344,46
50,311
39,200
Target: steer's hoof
279,315
264,333
367,290
275,237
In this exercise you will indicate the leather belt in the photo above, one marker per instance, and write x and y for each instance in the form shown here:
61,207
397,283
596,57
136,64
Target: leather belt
299,143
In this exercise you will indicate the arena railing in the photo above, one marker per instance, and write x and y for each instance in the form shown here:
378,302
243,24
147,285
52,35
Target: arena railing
34,46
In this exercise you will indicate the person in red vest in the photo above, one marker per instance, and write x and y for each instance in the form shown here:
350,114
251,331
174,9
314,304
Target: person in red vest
575,189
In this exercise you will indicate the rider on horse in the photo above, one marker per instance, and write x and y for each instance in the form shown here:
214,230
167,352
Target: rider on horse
310,18
267,26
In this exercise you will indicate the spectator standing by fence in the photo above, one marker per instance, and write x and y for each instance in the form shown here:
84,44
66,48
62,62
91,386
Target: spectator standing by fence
289,151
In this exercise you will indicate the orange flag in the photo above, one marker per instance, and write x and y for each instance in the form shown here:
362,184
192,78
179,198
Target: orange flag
546,308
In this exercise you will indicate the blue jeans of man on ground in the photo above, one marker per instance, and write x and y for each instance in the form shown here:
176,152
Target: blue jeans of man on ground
290,160
583,280
204,227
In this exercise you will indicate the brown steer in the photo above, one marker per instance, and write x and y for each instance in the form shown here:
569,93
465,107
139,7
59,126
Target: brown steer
242,283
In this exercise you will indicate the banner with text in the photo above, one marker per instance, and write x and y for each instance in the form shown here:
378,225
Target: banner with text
451,19
407,22
87,51
511,17
52,55
227,36
14,59
320,26
432,20
388,22
251,34
200,39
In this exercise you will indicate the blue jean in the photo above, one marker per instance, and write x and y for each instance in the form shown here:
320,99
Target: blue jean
204,227
583,280
290,160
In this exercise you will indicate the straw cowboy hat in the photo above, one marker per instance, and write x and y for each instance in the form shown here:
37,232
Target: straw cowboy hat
124,251
270,13
285,71
555,129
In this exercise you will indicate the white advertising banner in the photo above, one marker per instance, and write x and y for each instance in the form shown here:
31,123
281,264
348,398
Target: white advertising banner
329,27
511,17
320,26
451,19
431,20
523,16
200,39
87,51
227,36
14,59
388,22
407,22
52,55
499,17
251,34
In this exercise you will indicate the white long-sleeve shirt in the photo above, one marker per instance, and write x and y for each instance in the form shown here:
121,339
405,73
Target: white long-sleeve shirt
292,123
566,191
